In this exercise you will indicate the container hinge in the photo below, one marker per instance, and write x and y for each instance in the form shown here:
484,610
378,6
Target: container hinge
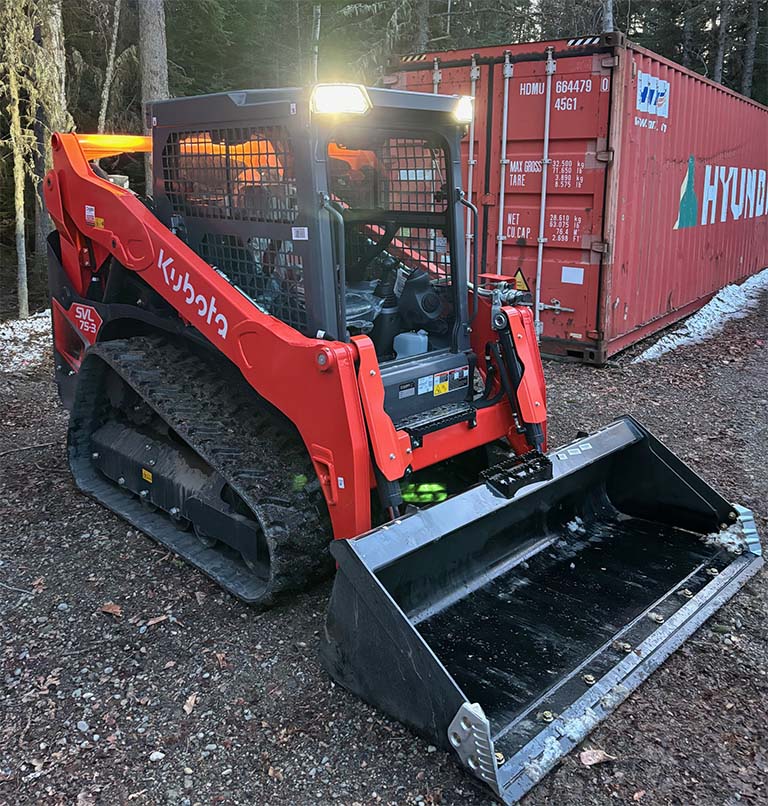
605,156
610,61
599,246
509,69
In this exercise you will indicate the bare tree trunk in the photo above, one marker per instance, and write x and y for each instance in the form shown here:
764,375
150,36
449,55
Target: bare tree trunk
154,63
52,112
551,12
687,35
18,181
722,40
42,224
607,16
53,41
39,164
422,26
300,74
750,47
316,9
110,68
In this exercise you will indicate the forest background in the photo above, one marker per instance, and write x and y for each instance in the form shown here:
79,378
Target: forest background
87,65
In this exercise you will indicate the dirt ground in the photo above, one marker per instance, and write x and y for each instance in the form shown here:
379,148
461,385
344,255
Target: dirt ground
93,702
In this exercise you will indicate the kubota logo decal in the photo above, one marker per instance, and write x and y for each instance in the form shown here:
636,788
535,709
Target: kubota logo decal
180,283
727,193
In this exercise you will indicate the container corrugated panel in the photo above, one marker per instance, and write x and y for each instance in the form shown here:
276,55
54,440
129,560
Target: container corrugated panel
690,189
642,154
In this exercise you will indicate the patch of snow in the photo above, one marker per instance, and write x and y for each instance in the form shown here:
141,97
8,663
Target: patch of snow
731,302
24,342
731,539
576,526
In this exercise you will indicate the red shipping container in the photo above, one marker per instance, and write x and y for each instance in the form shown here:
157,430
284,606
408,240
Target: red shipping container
655,190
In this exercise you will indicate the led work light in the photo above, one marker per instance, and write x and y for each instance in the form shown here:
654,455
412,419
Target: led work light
339,99
465,108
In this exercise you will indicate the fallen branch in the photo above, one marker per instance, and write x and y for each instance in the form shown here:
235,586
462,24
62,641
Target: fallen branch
18,590
27,448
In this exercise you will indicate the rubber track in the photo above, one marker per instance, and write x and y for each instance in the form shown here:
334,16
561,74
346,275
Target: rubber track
210,406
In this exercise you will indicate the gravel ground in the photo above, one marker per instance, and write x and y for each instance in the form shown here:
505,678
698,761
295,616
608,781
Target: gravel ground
129,678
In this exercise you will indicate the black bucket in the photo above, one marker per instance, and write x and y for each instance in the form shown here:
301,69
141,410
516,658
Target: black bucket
505,629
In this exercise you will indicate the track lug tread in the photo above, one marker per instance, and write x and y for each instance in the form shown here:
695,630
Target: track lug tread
187,391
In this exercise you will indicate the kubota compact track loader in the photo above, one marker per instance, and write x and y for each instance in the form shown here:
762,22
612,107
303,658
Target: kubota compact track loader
282,347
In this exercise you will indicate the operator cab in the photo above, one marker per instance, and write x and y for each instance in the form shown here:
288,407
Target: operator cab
337,211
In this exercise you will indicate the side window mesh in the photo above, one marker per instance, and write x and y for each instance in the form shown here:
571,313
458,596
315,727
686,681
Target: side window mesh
241,173
266,269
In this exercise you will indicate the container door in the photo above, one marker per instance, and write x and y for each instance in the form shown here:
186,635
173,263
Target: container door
573,212
467,79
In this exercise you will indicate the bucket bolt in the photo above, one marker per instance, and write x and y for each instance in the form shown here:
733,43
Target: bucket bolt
499,757
713,572
732,515
686,593
547,716
121,481
95,455
623,646
144,493
589,679
657,617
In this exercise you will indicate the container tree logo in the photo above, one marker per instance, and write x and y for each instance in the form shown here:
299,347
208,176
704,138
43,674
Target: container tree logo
688,214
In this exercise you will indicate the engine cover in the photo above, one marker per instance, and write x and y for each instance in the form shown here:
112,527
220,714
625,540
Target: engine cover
424,382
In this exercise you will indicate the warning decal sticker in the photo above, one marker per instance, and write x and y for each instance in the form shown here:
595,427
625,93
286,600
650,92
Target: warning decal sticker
91,219
520,282
146,474
451,380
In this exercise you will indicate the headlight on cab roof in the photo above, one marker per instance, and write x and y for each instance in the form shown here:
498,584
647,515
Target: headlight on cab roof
465,109
339,99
